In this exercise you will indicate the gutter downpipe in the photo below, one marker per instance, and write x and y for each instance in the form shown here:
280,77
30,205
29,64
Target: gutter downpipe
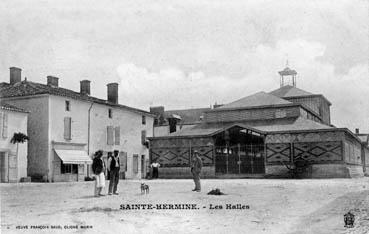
88,136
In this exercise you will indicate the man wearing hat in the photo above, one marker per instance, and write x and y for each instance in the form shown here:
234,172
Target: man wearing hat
98,169
113,167
196,170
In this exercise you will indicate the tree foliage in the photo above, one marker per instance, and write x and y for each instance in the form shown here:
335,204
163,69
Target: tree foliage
19,138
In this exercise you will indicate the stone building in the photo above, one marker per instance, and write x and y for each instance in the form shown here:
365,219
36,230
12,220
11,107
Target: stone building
66,128
276,134
13,157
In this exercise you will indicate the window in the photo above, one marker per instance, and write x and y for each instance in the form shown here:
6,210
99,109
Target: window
67,128
143,120
110,113
143,137
68,168
67,105
117,135
110,135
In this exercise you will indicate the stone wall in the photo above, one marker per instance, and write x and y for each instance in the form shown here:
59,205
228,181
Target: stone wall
185,172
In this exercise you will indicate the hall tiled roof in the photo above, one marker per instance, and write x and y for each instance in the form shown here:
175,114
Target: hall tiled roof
28,88
298,124
290,91
257,99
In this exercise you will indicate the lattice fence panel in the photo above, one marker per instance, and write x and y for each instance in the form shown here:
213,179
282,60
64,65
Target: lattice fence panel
180,156
278,152
318,151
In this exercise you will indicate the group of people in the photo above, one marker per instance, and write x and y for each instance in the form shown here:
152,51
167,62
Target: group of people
98,168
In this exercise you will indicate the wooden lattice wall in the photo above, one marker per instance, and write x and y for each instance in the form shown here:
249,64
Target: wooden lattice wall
312,152
181,156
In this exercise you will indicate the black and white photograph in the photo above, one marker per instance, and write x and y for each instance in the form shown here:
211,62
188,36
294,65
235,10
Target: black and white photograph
184,116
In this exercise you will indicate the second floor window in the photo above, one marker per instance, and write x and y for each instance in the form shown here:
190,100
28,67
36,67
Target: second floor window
67,105
143,137
110,113
67,128
143,120
110,135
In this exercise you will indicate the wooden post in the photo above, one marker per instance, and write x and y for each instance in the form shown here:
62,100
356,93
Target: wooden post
239,158
227,157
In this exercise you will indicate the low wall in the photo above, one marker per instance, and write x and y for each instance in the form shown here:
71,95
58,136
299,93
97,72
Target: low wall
185,172
330,171
276,171
355,171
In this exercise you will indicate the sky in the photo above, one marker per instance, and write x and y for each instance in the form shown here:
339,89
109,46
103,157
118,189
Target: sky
193,53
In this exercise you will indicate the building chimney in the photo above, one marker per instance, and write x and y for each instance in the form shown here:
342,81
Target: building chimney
357,131
52,81
85,87
15,75
113,92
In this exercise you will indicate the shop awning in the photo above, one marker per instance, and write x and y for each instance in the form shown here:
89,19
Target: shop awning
73,156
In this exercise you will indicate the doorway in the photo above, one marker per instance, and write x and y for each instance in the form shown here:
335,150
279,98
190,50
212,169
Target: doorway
239,151
4,167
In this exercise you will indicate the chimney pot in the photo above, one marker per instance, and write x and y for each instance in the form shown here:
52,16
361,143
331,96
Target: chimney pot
113,92
15,75
85,87
357,131
53,81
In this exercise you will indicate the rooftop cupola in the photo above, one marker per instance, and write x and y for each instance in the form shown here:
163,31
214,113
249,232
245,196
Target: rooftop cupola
287,76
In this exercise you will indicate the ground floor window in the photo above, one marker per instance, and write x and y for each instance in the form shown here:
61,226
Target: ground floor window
69,168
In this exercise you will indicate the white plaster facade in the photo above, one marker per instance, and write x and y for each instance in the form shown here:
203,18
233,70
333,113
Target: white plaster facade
13,161
46,130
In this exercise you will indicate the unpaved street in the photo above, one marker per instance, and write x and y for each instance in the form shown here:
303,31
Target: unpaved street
275,206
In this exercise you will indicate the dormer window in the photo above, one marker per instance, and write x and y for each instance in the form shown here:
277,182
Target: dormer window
67,105
110,113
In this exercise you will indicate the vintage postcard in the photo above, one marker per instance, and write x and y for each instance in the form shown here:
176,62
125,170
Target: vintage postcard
195,116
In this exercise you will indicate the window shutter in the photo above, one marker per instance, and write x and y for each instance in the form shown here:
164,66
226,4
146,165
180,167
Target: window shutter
5,125
117,135
123,161
110,135
1,123
67,128
135,163
143,137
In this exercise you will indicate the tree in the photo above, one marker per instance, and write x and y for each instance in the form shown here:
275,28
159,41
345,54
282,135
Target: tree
19,138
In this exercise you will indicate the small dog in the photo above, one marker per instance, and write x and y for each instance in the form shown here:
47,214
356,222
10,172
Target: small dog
145,189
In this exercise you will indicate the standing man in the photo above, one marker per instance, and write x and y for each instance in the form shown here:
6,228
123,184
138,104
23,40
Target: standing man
155,169
98,169
113,167
195,170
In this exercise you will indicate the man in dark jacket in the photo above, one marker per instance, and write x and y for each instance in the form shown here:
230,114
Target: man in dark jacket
196,170
98,169
113,167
